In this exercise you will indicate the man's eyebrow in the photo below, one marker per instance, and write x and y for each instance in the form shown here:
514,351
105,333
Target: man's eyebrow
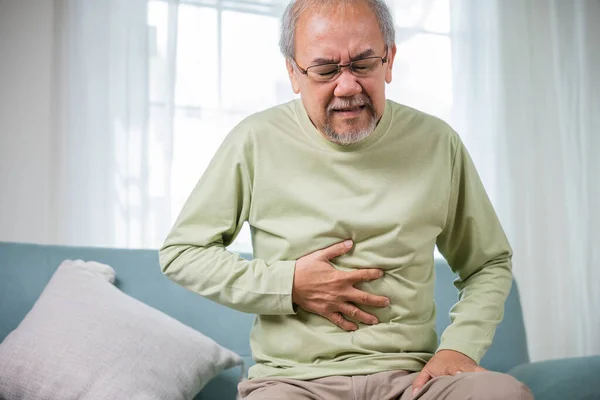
319,61
364,54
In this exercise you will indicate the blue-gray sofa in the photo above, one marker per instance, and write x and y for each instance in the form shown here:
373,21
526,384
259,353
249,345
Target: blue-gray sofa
25,269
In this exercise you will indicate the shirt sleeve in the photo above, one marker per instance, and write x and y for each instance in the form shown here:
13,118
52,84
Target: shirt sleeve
194,254
477,250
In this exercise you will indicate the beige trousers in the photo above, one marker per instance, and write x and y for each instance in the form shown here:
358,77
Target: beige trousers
389,385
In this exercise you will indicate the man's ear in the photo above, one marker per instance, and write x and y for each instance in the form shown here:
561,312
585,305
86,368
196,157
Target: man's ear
390,64
293,76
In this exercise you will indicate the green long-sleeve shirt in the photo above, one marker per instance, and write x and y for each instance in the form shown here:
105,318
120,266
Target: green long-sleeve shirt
407,187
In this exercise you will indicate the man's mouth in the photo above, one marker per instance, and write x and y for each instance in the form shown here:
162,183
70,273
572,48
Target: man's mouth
350,110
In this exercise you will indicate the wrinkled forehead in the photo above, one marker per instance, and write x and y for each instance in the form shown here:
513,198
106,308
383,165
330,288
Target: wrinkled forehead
334,31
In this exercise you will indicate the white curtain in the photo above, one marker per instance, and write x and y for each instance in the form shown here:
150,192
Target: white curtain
104,194
527,90
147,89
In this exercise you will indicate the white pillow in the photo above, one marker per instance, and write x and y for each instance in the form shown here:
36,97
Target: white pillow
85,339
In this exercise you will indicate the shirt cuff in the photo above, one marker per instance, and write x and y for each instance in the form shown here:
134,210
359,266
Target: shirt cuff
283,278
475,353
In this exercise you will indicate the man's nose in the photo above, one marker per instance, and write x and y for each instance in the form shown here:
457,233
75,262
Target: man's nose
346,84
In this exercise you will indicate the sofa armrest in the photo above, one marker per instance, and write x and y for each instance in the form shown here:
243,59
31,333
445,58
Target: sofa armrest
575,378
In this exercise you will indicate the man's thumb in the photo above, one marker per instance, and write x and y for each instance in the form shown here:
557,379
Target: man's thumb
421,380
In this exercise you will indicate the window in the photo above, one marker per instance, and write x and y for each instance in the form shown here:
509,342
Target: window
199,90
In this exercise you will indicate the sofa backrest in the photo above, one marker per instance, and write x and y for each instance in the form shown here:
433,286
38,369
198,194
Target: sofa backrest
25,269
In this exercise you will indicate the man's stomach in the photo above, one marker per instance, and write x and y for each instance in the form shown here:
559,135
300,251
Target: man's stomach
308,346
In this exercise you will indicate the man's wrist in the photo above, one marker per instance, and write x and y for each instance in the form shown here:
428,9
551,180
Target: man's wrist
467,349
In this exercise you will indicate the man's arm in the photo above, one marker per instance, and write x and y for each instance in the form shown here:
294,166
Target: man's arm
476,248
194,253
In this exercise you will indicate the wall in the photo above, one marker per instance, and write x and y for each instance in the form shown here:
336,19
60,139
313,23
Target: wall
26,123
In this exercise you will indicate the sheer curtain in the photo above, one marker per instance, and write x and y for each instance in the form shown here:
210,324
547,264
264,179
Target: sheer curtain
104,194
527,85
211,65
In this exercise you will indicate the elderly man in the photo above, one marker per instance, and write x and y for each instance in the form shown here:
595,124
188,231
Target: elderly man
347,194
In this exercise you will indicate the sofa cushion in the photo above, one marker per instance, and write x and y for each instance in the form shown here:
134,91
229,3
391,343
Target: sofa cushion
84,338
564,378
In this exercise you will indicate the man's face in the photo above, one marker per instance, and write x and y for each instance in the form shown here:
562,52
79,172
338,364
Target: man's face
347,108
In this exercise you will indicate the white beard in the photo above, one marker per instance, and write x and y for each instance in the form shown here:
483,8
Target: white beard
351,137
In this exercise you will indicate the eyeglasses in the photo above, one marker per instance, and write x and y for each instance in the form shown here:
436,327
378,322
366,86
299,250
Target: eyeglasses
327,72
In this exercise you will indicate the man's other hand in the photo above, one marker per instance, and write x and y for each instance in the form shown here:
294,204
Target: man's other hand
445,362
321,289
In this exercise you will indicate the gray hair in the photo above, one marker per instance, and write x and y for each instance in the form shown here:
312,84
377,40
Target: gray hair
296,8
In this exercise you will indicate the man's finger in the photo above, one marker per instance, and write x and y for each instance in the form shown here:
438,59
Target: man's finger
420,381
465,368
336,250
474,368
367,299
364,275
342,322
356,313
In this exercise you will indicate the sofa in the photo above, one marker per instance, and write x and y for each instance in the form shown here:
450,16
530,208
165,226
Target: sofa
25,270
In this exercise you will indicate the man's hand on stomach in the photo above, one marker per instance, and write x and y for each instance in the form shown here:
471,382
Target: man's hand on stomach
321,289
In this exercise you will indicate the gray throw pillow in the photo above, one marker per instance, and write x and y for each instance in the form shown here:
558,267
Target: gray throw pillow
85,339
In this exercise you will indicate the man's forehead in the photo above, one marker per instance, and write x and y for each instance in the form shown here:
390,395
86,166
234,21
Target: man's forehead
324,34
325,17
